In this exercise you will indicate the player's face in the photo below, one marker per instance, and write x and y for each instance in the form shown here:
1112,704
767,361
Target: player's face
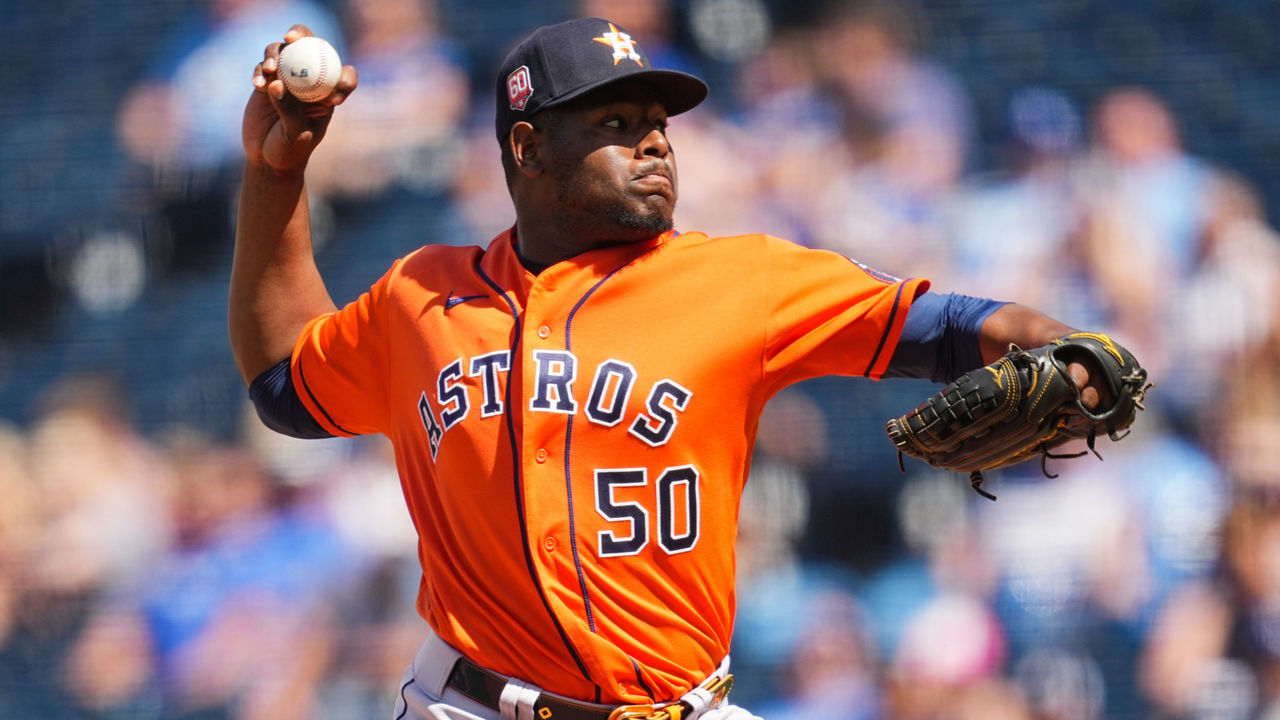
612,165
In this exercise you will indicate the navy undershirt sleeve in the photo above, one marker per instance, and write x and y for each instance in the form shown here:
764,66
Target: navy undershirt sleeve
277,402
940,339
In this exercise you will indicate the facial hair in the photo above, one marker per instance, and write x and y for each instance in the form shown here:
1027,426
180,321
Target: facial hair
615,220
651,224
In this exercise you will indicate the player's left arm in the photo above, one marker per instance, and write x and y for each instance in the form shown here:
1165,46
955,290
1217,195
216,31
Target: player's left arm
947,335
1018,325
1025,327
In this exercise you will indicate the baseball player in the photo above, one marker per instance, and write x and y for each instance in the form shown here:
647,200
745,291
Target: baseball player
573,407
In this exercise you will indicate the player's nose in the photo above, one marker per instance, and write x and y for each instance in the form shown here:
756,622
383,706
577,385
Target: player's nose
654,144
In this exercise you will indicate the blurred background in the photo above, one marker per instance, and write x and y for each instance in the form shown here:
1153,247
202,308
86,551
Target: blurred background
1116,165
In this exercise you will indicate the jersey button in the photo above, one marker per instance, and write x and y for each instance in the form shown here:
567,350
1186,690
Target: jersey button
540,455
550,543
544,332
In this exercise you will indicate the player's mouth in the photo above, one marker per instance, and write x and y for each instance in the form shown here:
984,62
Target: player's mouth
654,180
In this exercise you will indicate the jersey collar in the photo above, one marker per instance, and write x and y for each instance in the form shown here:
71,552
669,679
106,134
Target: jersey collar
502,263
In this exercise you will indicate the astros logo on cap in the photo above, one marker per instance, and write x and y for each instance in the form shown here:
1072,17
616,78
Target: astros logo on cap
519,87
624,48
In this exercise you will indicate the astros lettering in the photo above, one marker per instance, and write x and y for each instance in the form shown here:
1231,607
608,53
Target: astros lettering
610,390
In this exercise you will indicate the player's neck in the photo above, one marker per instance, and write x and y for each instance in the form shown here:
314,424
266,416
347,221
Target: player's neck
539,250
529,264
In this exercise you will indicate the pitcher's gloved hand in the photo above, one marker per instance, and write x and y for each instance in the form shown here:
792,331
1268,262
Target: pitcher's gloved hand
1024,404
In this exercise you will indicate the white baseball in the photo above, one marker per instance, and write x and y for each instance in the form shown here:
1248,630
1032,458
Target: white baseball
309,68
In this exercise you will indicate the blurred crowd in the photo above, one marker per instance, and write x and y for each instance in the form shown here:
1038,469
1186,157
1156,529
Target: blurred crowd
191,571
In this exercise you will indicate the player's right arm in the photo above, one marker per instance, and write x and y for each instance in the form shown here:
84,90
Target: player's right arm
275,284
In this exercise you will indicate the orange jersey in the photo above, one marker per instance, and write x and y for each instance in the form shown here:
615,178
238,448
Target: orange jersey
573,445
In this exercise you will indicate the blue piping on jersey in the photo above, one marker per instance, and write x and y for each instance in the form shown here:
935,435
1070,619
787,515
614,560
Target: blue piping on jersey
568,445
303,376
888,328
519,489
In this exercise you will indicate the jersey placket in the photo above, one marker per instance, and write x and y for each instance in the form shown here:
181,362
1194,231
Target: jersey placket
549,411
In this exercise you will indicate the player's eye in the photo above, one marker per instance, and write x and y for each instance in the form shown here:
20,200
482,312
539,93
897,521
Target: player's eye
617,123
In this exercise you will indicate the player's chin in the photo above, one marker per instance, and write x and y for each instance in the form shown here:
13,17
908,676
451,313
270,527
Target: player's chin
660,204
637,223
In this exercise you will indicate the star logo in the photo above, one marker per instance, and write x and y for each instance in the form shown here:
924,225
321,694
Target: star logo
624,48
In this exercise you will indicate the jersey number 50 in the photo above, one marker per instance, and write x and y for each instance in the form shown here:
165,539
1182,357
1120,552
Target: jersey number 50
677,503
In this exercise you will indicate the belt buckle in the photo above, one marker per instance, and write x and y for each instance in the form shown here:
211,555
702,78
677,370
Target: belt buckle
719,689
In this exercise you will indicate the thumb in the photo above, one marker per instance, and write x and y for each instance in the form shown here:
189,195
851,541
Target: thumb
299,129
299,120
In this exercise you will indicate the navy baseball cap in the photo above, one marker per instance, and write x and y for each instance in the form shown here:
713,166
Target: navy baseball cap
558,63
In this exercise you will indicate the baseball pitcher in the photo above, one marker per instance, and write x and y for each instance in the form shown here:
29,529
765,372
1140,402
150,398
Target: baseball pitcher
573,407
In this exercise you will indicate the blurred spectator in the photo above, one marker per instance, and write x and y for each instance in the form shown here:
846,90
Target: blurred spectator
907,121
101,506
1144,204
1012,231
1048,540
378,621
479,191
779,89
18,527
772,581
1244,422
1138,153
831,668
185,114
84,517
1087,560
950,664
1062,685
400,129
1229,306
18,522
917,603
791,126
109,671
391,157
1245,429
353,485
1215,651
181,122
227,623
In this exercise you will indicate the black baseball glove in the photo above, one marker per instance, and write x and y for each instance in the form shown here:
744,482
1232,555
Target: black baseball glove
1024,404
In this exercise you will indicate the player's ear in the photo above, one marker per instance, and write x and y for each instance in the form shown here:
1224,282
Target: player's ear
525,149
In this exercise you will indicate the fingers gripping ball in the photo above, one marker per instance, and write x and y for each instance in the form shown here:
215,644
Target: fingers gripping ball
309,68
1023,405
